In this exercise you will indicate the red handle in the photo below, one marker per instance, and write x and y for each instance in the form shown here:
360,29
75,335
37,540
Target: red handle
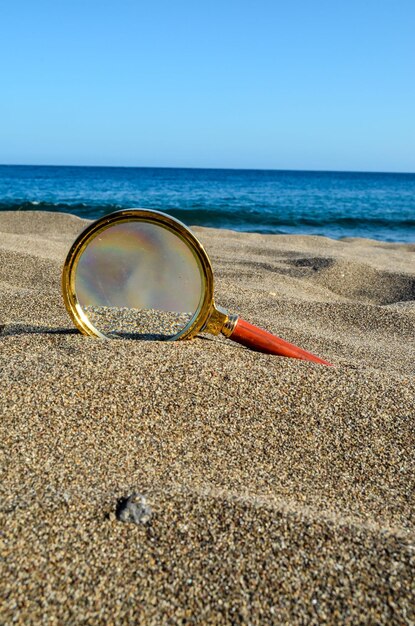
263,341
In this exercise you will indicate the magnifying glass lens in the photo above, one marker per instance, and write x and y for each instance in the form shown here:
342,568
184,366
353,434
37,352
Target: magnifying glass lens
139,280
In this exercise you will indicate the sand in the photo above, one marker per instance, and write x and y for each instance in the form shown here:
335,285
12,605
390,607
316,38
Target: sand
198,482
122,322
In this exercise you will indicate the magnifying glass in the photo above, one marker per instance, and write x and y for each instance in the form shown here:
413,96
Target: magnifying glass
142,274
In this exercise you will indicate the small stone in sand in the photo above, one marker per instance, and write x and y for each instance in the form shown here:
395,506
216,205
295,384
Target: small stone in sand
134,509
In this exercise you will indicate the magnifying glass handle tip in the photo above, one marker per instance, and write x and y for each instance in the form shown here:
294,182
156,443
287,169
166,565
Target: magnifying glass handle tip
261,340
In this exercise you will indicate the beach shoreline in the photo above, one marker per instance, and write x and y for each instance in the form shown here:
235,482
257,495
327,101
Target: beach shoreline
279,491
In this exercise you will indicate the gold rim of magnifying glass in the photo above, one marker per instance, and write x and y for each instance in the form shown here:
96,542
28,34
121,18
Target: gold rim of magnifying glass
207,316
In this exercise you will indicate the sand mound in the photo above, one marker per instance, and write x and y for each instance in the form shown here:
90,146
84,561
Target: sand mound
278,491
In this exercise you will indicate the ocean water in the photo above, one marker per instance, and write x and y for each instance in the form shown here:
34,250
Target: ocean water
334,204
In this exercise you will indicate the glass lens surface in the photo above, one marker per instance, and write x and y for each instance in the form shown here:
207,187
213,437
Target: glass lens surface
139,280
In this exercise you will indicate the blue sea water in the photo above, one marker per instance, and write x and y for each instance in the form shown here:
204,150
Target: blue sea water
334,204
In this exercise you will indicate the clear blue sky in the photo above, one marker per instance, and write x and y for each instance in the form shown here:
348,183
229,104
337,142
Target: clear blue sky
299,84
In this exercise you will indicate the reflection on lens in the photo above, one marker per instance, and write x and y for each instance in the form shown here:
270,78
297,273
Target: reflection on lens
139,280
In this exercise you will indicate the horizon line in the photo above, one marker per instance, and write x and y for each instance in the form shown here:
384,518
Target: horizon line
238,169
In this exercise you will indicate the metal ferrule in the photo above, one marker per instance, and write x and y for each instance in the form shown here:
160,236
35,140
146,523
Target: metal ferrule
229,325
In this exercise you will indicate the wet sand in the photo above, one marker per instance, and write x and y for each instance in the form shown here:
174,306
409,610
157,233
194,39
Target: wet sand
276,491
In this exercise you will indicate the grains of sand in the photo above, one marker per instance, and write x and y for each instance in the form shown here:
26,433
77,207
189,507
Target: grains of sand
278,491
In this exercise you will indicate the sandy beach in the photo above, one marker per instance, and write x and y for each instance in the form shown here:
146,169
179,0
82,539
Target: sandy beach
277,491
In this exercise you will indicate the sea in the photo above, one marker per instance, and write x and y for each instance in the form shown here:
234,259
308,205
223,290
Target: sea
333,204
